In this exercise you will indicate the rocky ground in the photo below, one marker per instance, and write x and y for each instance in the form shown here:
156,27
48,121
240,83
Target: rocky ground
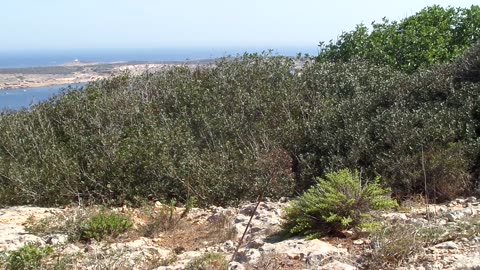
453,240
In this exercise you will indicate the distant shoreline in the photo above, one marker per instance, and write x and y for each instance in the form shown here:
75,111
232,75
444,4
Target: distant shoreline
79,72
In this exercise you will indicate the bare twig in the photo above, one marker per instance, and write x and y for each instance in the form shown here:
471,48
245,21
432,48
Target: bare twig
259,199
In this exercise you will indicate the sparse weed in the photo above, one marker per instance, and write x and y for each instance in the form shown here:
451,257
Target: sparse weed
393,245
221,230
208,261
398,243
66,222
273,261
169,260
187,235
163,218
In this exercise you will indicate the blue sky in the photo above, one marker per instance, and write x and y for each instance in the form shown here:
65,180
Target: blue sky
74,24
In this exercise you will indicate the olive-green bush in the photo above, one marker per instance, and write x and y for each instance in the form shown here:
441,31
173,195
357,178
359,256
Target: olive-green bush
212,133
432,36
221,132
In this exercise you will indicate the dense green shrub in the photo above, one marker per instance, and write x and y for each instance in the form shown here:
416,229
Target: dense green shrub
378,119
444,170
104,224
174,134
221,132
432,36
340,201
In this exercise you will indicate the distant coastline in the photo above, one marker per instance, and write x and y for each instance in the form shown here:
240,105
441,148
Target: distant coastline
39,68
78,72
56,57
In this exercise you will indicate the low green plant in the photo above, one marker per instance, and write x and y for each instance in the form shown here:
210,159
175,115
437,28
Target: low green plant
210,261
30,256
105,224
338,202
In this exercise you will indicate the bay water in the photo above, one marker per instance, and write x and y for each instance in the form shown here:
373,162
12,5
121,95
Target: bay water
15,99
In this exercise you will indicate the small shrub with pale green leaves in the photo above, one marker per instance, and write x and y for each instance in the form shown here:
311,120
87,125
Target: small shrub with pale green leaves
30,256
105,224
340,201
210,261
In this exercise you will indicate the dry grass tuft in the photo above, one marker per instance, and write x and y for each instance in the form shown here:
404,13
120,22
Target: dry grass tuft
274,261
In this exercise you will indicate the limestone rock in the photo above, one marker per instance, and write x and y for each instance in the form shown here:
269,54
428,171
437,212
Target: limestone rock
471,262
249,255
336,265
299,248
235,266
256,243
447,245
56,239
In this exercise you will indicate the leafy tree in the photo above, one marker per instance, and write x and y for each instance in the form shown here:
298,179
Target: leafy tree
433,35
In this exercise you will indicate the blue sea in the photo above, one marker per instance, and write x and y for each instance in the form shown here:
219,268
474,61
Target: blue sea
25,97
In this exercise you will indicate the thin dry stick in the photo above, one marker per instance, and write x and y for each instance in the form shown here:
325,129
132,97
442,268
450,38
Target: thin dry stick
259,199
425,183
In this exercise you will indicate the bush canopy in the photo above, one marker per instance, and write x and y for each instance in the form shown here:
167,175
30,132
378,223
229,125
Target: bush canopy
432,36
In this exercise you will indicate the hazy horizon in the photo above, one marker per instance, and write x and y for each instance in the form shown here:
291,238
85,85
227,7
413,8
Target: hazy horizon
313,47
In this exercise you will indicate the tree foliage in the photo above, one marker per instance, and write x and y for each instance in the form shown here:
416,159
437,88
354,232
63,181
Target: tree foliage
433,35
